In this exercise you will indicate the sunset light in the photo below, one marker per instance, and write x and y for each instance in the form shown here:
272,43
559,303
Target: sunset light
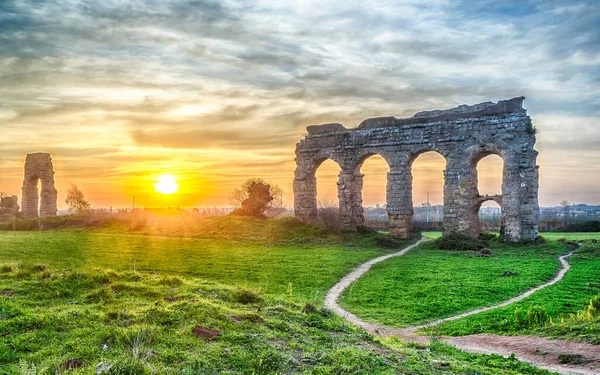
166,184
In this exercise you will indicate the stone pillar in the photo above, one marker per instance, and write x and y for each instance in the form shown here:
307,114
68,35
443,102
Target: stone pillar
30,199
451,195
350,185
468,209
511,202
530,210
399,201
305,198
520,210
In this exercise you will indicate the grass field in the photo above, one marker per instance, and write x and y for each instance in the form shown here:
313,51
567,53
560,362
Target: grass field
428,284
147,323
310,268
551,236
86,301
569,296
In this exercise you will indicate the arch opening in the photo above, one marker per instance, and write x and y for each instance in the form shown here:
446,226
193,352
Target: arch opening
328,211
374,171
490,169
490,216
427,171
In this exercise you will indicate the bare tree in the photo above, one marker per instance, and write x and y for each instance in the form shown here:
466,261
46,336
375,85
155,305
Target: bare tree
240,194
76,200
566,210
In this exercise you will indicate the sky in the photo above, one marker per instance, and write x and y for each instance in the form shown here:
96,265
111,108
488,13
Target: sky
120,92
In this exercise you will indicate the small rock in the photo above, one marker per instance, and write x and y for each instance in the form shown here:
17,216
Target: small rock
205,332
7,292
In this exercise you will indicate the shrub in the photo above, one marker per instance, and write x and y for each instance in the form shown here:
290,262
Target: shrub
309,308
388,242
246,297
584,226
537,316
487,236
459,242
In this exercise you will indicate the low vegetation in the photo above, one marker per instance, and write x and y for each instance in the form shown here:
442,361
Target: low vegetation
567,310
428,283
82,302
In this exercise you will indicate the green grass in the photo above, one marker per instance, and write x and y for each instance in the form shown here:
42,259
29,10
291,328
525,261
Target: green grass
428,284
310,268
551,236
569,296
142,323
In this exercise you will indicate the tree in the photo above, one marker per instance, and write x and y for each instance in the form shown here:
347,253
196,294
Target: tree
274,207
254,198
76,200
566,210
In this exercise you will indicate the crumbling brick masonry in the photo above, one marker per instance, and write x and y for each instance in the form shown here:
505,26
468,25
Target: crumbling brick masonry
462,135
38,166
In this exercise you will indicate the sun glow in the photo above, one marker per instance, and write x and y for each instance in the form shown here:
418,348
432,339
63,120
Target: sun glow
166,184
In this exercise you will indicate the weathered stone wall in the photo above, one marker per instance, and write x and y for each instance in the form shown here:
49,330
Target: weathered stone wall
9,204
463,135
38,166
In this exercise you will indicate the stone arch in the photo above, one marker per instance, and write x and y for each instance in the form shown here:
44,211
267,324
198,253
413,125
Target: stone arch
400,191
462,135
38,167
489,198
305,185
358,182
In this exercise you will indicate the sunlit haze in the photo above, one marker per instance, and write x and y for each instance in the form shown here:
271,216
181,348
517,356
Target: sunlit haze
215,93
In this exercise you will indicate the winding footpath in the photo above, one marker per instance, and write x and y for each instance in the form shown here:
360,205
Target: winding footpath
538,351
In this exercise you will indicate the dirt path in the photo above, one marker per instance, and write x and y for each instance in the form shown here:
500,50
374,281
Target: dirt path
538,351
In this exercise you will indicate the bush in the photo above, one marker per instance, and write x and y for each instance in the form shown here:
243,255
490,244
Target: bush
388,242
246,297
537,316
309,308
487,236
459,242
584,226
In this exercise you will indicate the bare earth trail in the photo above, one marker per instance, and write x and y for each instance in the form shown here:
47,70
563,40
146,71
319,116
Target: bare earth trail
538,351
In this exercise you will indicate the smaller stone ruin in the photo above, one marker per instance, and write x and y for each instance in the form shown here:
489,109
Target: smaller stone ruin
9,205
38,167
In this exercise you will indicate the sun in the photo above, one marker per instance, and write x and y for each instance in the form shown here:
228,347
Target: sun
166,184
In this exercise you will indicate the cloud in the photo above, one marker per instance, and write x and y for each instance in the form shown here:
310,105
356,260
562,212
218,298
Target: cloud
235,79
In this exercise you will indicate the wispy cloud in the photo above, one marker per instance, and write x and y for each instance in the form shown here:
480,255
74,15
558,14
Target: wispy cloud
129,86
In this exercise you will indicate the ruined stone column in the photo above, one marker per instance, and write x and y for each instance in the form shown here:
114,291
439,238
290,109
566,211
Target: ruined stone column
350,186
399,201
468,209
451,194
38,166
520,210
305,198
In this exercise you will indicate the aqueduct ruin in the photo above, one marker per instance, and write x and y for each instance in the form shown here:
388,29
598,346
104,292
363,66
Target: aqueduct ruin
462,135
38,166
